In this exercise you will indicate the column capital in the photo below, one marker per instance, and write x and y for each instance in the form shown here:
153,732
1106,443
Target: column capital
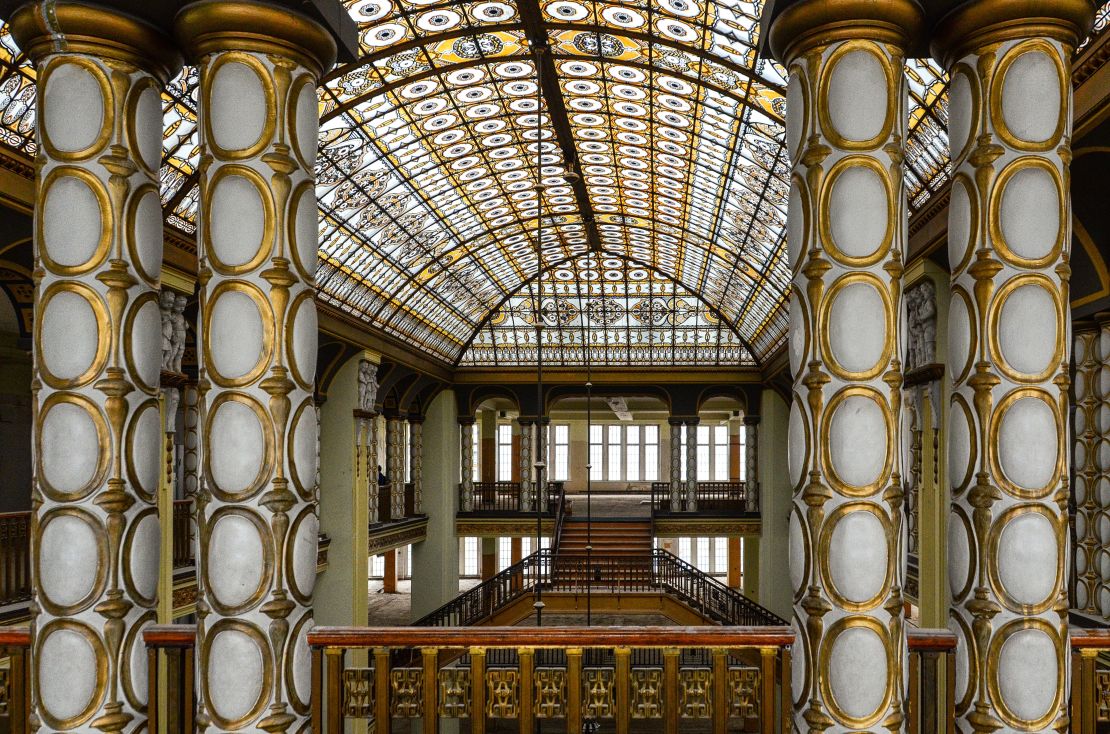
211,26
525,420
466,420
96,30
806,25
679,420
364,414
751,420
978,23
416,418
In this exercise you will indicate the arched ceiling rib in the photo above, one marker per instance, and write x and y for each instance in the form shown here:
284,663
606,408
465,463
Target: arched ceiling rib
427,165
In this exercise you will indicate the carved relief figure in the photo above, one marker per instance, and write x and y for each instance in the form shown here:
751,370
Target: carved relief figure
367,385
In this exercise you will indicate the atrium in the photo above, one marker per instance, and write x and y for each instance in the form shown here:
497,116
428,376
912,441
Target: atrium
554,366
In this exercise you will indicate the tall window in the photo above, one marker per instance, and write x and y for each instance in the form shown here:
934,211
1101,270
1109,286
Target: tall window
471,550
720,453
703,454
560,453
681,452
476,456
377,567
743,452
527,544
632,453
407,428
504,453
597,453
613,473
651,453
504,553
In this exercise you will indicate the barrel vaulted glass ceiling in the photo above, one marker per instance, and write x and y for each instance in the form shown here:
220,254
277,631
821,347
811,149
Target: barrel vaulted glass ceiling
669,248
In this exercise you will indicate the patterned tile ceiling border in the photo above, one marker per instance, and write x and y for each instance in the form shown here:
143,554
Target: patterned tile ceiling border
427,172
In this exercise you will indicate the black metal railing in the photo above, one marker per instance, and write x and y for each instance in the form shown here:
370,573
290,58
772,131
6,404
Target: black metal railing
498,497
725,498
662,572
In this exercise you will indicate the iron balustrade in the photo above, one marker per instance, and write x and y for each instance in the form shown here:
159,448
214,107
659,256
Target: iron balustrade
505,497
15,557
725,498
570,674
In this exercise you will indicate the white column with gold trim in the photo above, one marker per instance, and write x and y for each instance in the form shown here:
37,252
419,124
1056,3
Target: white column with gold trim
416,462
257,248
466,452
846,125
98,436
395,466
751,463
1008,326
1088,364
691,464
526,441
675,466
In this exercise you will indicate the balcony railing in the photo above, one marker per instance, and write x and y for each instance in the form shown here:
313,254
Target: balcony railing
385,503
746,680
724,498
183,534
15,557
504,497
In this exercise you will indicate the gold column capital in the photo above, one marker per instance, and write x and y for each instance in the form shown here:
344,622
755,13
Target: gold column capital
212,26
979,23
42,29
807,25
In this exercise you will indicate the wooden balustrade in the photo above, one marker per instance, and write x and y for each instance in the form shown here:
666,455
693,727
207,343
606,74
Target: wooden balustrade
15,679
554,675
498,497
932,664
1090,680
176,643
723,498
183,533
15,557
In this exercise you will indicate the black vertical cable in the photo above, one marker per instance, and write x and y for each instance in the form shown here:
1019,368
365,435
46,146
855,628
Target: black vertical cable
540,432
589,489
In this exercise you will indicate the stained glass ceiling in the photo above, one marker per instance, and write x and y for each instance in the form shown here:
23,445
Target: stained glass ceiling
667,250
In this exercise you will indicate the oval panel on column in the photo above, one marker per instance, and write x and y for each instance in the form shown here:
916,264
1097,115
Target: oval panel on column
963,110
1025,430
301,336
74,221
71,335
1025,559
856,660
799,548
303,232
236,661
298,664
857,447
73,448
857,318
1027,341
797,221
142,343
304,119
141,546
239,97
145,234
859,225
144,440
1028,213
304,434
144,121
858,112
300,554
71,671
797,447
238,560
240,454
797,112
967,661
239,334
961,553
71,562
134,672
802,660
963,222
962,336
1025,673
855,566
240,231
799,331
75,120
1029,102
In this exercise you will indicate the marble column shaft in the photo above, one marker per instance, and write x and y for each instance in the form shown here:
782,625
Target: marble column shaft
526,439
466,451
675,474
416,462
692,465
751,463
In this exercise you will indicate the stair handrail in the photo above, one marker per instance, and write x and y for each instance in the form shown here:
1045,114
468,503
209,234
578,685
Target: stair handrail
479,602
703,592
560,514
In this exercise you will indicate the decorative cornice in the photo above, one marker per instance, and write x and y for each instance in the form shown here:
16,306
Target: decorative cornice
806,25
678,527
396,535
977,24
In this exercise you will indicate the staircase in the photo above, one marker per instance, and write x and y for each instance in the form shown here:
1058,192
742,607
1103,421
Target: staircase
621,556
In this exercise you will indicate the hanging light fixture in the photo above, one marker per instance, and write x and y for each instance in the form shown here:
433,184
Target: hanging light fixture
537,307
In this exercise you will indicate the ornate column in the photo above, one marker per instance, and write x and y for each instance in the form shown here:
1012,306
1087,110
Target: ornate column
526,464
1088,368
257,242
97,444
751,463
543,428
1008,243
692,464
366,436
466,451
416,457
190,465
846,123
395,466
1101,555
676,463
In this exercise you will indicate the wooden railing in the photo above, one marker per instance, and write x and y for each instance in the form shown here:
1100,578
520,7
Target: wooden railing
726,498
176,644
499,497
747,680
183,533
932,666
1090,680
15,679
15,557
